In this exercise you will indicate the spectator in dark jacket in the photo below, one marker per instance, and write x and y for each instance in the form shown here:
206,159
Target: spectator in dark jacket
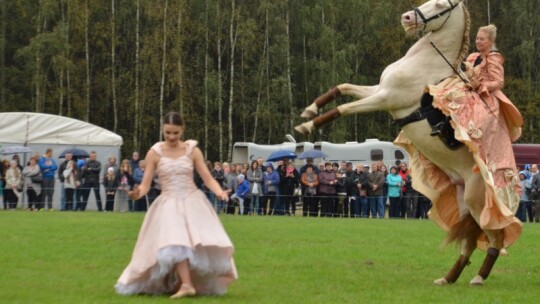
90,173
343,203
289,181
68,157
375,192
125,184
111,184
219,176
327,190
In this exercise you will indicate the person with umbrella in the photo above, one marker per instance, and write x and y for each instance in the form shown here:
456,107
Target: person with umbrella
68,157
284,156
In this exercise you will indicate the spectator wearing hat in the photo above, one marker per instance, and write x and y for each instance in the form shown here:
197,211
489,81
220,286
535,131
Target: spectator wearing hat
521,213
111,184
270,187
375,192
241,192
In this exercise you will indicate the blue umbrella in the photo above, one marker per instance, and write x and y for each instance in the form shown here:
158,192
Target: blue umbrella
77,153
15,150
312,154
280,155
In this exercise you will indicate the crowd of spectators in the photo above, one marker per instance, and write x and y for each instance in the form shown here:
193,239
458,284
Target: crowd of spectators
325,190
78,178
343,190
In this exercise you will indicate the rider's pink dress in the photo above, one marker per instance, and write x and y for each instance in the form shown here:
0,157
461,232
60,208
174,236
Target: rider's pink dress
487,122
181,224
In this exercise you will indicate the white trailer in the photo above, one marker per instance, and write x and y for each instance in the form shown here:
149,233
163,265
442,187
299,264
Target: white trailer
369,151
246,152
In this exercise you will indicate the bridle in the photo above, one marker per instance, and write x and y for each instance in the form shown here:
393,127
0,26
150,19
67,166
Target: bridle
425,20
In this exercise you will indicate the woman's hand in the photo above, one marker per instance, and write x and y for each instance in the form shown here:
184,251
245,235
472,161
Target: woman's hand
223,196
134,194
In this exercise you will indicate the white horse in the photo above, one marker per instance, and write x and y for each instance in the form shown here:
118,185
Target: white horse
445,24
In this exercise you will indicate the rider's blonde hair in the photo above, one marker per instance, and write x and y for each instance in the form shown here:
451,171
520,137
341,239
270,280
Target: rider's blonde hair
491,30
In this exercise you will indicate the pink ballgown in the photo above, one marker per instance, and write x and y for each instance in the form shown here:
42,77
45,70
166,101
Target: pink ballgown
181,224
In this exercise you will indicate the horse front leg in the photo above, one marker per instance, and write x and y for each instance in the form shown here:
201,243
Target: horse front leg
372,103
359,92
496,244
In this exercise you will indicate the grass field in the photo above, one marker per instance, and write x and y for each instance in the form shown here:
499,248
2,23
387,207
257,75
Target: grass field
55,257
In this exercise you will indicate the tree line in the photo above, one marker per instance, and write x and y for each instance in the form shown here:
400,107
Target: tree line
238,70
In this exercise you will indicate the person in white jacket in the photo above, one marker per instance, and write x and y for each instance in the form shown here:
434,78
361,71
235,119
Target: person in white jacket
71,182
32,180
13,183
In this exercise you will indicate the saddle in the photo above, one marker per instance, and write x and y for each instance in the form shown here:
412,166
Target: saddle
439,123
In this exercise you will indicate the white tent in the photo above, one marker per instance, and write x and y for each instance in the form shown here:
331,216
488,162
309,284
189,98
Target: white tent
40,131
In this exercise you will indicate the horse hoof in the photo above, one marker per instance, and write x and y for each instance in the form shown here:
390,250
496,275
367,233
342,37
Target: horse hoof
440,282
310,112
477,281
302,129
503,252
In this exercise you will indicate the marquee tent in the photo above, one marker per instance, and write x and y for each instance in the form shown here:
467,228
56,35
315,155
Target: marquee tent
40,131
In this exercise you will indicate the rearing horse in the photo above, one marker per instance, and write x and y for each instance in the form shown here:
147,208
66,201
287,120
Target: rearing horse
457,191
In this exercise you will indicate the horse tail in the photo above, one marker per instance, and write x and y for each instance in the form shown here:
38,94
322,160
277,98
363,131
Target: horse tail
465,229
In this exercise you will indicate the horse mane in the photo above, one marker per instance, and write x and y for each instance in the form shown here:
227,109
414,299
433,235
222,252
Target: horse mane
465,42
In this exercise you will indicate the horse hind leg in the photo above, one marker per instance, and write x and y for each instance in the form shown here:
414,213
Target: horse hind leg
496,244
313,109
466,232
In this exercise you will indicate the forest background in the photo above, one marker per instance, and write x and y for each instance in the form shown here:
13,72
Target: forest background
238,70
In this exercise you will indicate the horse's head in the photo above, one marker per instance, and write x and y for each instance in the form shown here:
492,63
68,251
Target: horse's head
428,17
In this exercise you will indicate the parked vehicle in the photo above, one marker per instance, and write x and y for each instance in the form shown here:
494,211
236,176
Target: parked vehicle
370,150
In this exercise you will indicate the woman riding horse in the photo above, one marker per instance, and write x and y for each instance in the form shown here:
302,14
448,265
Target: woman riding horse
474,188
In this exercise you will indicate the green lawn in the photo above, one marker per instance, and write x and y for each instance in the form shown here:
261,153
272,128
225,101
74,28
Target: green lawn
56,257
